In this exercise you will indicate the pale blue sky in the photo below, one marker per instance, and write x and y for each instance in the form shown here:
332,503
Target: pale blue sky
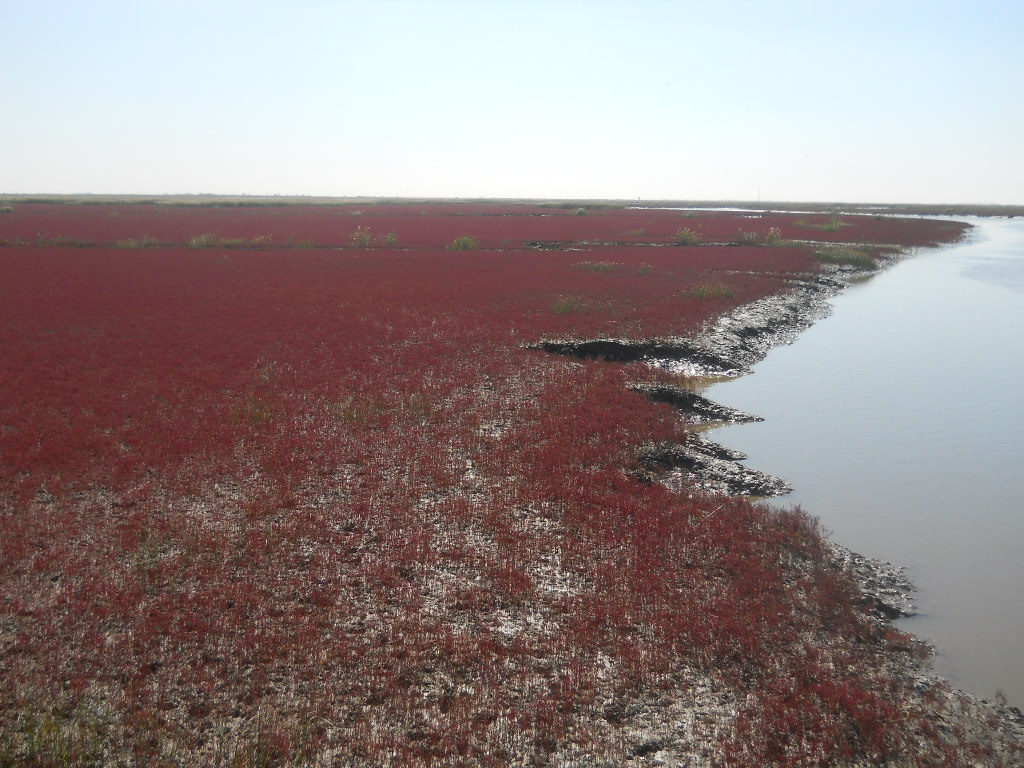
719,99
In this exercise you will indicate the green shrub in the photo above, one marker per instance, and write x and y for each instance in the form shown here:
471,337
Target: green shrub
463,243
361,237
6,209
712,291
567,305
687,236
846,257
53,737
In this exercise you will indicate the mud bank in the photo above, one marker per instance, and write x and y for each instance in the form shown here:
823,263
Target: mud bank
729,348
732,345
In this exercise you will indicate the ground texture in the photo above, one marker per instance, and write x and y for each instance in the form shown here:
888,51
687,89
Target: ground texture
304,485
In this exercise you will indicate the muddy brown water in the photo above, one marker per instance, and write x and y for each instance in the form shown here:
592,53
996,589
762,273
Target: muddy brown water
899,420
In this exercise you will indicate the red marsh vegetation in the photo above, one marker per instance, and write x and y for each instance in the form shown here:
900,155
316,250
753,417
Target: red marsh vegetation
284,486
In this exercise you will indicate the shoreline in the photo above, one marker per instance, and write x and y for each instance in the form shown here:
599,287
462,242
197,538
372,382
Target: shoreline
743,338
729,349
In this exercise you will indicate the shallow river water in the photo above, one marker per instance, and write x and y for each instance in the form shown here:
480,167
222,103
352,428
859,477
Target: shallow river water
899,420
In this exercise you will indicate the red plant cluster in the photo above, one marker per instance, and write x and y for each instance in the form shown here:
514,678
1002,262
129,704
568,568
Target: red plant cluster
264,506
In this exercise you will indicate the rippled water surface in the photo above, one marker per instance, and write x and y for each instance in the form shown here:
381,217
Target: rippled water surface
899,420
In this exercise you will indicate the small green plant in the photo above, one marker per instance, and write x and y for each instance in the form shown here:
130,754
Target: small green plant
463,243
598,266
581,211
261,240
712,291
6,209
361,237
567,305
418,407
687,236
57,736
774,237
255,411
846,257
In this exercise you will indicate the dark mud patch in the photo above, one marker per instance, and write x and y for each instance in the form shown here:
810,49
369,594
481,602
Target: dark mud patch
697,409
675,351
886,586
746,335
707,466
730,347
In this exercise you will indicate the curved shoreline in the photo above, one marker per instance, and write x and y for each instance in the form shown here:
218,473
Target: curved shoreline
743,338
730,348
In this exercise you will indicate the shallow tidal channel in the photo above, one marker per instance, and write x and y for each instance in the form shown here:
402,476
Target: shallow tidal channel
899,421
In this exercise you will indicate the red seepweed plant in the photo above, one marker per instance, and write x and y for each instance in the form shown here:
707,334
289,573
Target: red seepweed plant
281,505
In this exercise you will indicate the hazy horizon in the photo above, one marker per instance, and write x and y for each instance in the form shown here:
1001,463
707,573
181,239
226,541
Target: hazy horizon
908,103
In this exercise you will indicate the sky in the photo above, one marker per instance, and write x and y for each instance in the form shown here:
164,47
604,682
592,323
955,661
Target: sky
888,101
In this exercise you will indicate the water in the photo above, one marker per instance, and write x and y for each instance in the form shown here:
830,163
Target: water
899,420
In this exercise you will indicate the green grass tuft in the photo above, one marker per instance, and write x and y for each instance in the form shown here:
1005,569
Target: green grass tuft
846,257
687,236
463,243
361,237
712,291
